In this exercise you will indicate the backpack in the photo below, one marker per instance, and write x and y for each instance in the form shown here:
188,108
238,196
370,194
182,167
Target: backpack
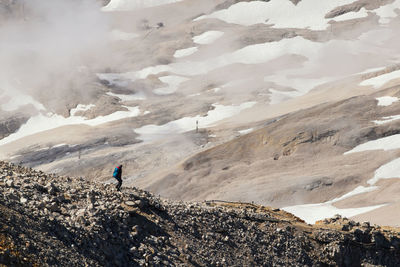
115,173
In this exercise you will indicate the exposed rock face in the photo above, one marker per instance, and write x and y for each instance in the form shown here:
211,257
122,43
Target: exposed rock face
51,221
356,6
9,125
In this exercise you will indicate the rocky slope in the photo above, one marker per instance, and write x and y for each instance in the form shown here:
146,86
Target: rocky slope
298,157
47,220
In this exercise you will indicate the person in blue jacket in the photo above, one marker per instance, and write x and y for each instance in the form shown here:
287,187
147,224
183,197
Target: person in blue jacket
117,175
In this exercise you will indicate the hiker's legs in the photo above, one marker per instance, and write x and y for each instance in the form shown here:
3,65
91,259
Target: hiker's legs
119,184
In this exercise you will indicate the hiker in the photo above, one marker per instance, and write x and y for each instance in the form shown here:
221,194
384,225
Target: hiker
117,175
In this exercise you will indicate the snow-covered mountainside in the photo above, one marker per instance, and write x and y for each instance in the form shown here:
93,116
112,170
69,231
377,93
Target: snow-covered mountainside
290,103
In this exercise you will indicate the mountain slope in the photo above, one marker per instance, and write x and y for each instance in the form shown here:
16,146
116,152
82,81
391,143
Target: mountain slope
48,221
129,82
297,158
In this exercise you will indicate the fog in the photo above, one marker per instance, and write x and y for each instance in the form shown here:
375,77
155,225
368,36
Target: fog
51,49
47,47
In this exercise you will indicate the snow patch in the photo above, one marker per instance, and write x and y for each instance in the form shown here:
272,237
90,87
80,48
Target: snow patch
358,190
123,79
144,73
44,122
311,213
208,37
260,53
185,52
362,13
385,143
252,54
220,112
127,5
80,107
372,70
387,12
281,14
380,80
387,119
387,171
246,131
59,145
386,100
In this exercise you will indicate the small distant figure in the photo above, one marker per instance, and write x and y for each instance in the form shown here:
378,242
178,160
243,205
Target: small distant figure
197,126
117,175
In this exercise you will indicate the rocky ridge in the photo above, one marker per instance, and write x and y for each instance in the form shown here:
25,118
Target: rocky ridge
48,220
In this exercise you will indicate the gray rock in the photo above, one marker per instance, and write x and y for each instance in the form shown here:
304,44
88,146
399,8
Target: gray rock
130,203
52,188
365,225
10,183
53,207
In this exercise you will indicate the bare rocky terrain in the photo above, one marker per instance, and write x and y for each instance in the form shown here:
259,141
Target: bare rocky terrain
48,220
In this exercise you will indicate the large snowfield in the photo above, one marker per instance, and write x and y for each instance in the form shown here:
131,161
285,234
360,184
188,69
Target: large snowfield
307,14
48,121
220,112
311,213
185,52
380,80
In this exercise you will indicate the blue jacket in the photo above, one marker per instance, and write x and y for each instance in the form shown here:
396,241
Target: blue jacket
117,172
